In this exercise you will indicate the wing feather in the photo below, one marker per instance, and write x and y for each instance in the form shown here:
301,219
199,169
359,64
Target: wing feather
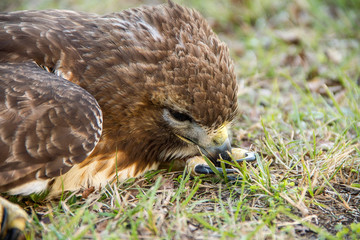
47,124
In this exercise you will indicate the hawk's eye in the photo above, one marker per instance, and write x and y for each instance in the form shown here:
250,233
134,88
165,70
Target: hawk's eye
181,117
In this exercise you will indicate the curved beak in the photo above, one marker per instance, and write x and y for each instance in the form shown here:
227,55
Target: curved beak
216,152
213,146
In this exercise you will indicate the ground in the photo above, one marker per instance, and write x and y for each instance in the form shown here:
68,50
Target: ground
298,67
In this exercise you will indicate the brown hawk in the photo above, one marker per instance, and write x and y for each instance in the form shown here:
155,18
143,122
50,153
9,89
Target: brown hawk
85,97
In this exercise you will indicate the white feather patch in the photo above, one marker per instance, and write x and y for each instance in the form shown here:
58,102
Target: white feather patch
36,186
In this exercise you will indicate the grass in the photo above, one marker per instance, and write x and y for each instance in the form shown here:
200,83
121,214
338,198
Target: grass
298,67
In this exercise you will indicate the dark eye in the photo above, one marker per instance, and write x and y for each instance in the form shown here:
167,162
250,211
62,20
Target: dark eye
181,117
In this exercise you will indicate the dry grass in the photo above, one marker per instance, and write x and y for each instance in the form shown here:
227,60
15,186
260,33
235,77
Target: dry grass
298,65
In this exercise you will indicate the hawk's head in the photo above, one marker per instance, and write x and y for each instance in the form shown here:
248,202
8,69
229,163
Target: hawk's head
171,89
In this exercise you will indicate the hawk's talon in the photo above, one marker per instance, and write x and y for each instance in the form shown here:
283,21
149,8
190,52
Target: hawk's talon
249,157
234,178
205,169
197,165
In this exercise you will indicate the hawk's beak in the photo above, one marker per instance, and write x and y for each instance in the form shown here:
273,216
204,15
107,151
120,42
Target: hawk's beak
220,147
216,152
215,148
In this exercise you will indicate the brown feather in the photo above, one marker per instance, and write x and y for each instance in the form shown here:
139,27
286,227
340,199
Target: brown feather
135,63
47,124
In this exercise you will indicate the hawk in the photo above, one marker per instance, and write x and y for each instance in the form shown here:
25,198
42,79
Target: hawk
85,98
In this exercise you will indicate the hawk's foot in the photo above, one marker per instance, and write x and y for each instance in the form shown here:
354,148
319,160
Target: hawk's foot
197,165
12,220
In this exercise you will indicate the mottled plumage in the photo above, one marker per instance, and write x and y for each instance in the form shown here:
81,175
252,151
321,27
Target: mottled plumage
83,96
